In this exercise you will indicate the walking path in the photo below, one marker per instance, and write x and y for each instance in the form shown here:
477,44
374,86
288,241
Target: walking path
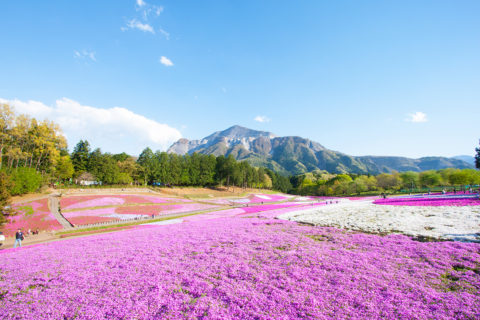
55,209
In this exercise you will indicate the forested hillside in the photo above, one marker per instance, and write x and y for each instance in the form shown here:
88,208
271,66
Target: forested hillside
293,155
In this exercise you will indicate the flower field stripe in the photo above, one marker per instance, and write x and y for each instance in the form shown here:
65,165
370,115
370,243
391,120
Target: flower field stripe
470,200
31,215
86,201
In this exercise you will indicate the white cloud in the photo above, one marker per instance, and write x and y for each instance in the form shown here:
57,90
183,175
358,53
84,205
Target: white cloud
157,10
113,130
165,61
261,119
165,33
85,55
417,117
145,18
135,24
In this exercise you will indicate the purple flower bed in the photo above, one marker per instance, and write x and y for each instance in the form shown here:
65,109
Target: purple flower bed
88,201
237,268
215,215
433,202
268,207
31,215
258,198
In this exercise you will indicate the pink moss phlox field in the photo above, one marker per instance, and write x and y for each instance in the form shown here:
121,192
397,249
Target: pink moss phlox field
215,215
97,202
258,198
268,210
89,212
89,216
429,201
84,220
269,207
164,209
85,201
363,198
237,268
253,198
146,210
189,207
31,215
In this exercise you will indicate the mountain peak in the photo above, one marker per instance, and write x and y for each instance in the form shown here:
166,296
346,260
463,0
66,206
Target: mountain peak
239,132
294,155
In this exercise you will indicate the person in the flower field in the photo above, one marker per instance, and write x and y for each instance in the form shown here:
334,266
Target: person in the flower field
18,238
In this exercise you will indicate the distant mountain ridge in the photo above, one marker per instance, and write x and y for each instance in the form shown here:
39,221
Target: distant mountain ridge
296,155
467,159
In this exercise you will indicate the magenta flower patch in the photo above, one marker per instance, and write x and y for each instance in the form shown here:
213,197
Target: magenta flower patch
431,201
31,215
87,201
238,268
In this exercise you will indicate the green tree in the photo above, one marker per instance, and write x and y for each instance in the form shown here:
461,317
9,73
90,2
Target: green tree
105,169
226,169
80,156
430,178
130,168
123,178
120,157
188,172
359,185
409,179
25,180
389,181
64,168
147,162
175,168
6,122
5,207
207,170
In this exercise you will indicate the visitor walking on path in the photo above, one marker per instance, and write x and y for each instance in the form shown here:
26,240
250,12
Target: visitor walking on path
18,238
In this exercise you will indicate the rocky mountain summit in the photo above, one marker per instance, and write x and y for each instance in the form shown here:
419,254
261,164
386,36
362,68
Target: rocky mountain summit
296,155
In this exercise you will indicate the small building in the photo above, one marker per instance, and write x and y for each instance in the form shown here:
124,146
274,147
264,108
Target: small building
87,179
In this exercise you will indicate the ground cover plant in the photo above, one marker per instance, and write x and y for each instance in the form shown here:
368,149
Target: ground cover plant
31,215
253,198
238,268
164,209
432,200
86,201
97,215
266,211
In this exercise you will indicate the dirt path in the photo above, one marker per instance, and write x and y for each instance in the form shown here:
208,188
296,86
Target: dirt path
31,239
54,201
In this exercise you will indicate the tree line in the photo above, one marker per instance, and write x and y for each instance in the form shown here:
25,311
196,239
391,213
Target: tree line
33,153
164,169
322,183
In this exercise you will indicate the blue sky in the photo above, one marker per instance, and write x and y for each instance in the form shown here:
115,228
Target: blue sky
361,77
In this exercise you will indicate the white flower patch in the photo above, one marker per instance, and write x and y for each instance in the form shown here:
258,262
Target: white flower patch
261,196
458,223
241,201
125,216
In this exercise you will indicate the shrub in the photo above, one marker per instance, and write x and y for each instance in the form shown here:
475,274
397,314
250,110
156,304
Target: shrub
25,180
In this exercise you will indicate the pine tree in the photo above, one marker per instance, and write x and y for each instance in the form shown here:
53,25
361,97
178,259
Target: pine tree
80,156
